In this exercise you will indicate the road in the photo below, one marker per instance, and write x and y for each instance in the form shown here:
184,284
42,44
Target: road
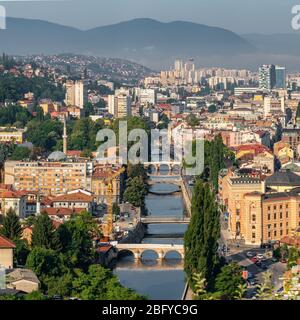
237,252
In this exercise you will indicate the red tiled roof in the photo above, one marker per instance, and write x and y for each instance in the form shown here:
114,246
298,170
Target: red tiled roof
11,194
74,197
62,211
6,243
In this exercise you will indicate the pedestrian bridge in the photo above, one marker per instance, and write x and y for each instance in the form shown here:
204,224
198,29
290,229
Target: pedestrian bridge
165,220
160,249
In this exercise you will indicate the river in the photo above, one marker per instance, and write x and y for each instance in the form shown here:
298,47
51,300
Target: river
158,280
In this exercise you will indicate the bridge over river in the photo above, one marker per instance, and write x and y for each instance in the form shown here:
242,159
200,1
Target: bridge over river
165,220
160,249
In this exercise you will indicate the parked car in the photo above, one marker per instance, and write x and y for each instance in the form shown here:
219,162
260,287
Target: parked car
258,263
249,254
254,259
263,266
260,256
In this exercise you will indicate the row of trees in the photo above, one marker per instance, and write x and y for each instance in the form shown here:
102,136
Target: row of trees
64,258
209,276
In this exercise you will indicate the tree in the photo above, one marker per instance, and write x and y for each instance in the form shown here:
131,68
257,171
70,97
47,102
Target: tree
44,234
21,252
293,256
193,121
266,288
45,263
137,170
229,280
12,228
201,238
212,108
100,283
135,192
75,237
20,153
115,209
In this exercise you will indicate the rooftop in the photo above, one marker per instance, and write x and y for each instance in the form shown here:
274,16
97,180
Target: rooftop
283,178
6,243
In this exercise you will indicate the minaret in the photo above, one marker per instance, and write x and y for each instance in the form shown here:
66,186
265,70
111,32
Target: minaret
65,137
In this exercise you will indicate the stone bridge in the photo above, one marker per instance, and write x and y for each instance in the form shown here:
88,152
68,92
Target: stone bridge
165,220
160,249
157,165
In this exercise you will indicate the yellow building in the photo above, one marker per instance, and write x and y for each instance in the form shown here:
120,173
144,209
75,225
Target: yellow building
12,135
6,252
100,178
261,211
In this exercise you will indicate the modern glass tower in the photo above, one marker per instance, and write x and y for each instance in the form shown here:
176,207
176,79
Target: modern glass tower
280,77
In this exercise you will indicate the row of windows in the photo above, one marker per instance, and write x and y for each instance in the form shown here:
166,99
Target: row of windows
280,215
280,207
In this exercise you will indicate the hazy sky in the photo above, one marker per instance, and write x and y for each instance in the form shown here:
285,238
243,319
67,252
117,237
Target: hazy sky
241,16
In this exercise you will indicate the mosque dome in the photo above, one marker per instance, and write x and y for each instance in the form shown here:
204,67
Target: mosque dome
57,156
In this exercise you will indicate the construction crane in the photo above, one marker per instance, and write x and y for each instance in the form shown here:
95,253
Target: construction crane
109,200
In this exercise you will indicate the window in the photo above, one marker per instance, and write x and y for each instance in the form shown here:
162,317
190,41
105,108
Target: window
287,215
269,216
253,218
286,206
275,216
275,233
269,234
274,207
280,206
253,227
253,235
275,225
281,232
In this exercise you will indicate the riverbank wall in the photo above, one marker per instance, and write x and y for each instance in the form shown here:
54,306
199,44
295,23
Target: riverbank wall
136,235
186,198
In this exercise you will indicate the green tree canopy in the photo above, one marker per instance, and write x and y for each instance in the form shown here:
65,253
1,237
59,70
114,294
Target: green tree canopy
201,238
228,281
44,234
12,228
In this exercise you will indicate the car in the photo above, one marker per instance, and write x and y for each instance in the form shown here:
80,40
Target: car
254,259
249,254
260,256
263,266
251,275
258,263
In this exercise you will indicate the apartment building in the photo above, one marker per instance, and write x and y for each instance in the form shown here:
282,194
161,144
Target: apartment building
47,177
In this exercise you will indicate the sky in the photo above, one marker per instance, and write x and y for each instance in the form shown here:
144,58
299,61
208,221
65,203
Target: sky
240,16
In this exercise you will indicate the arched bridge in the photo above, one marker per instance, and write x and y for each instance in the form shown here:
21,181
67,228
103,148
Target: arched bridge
161,249
170,164
165,220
